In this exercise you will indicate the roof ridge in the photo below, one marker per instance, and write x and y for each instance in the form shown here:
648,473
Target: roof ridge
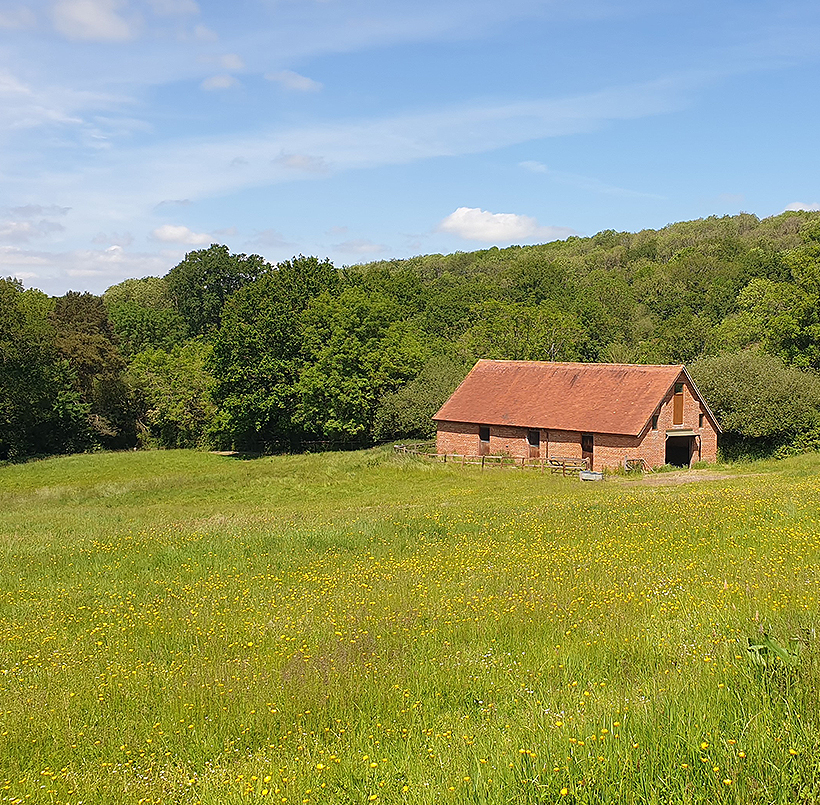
601,364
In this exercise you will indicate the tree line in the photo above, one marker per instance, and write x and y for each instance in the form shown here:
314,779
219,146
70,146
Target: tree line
229,351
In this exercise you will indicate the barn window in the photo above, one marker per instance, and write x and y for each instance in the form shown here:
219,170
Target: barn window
484,433
700,420
655,422
534,438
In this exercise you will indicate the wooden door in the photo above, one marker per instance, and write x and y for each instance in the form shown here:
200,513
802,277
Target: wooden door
587,443
677,406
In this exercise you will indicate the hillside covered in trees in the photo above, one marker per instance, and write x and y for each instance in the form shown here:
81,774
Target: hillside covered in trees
230,351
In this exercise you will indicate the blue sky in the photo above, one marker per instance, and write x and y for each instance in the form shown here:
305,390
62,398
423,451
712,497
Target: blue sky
133,131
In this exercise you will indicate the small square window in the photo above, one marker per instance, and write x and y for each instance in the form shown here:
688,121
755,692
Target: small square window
678,388
484,433
534,438
655,422
700,420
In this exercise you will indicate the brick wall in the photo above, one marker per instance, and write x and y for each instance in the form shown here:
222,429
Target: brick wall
457,437
564,444
609,450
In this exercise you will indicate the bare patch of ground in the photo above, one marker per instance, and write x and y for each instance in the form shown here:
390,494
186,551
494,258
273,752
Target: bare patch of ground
682,477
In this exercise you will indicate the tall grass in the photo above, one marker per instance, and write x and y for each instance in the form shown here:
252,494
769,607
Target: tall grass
353,628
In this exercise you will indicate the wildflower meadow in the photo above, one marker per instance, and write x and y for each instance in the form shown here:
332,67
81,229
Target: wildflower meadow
180,627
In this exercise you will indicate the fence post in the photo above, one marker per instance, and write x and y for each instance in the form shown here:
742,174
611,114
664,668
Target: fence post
482,463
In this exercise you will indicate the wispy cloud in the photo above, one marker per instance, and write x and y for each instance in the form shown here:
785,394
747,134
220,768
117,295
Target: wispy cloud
231,61
92,20
35,210
360,246
293,81
24,107
218,82
17,18
168,8
304,163
473,223
583,182
175,169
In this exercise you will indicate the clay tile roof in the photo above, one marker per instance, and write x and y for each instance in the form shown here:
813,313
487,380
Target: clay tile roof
589,397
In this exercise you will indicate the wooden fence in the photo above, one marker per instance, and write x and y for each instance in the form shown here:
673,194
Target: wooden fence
554,464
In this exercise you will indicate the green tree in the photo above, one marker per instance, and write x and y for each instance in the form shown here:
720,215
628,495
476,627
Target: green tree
84,337
41,410
201,284
143,316
408,411
173,391
760,402
356,348
504,330
257,355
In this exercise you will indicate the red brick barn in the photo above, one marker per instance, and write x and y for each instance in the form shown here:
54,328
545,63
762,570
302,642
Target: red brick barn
604,412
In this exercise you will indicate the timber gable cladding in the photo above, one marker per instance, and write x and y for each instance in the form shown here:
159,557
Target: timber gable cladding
609,413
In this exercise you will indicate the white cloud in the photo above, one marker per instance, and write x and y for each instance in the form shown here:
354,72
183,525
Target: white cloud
55,271
24,231
15,18
168,233
293,81
799,205
92,20
230,61
12,256
360,247
535,167
219,82
472,223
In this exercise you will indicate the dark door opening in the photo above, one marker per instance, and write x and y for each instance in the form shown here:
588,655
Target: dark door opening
586,448
534,441
483,440
679,450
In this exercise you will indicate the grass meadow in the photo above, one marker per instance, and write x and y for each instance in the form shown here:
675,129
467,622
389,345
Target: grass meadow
178,627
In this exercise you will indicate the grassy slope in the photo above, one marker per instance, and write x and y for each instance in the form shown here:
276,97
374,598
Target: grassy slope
354,627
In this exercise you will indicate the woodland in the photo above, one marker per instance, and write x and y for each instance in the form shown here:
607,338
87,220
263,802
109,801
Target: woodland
229,351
